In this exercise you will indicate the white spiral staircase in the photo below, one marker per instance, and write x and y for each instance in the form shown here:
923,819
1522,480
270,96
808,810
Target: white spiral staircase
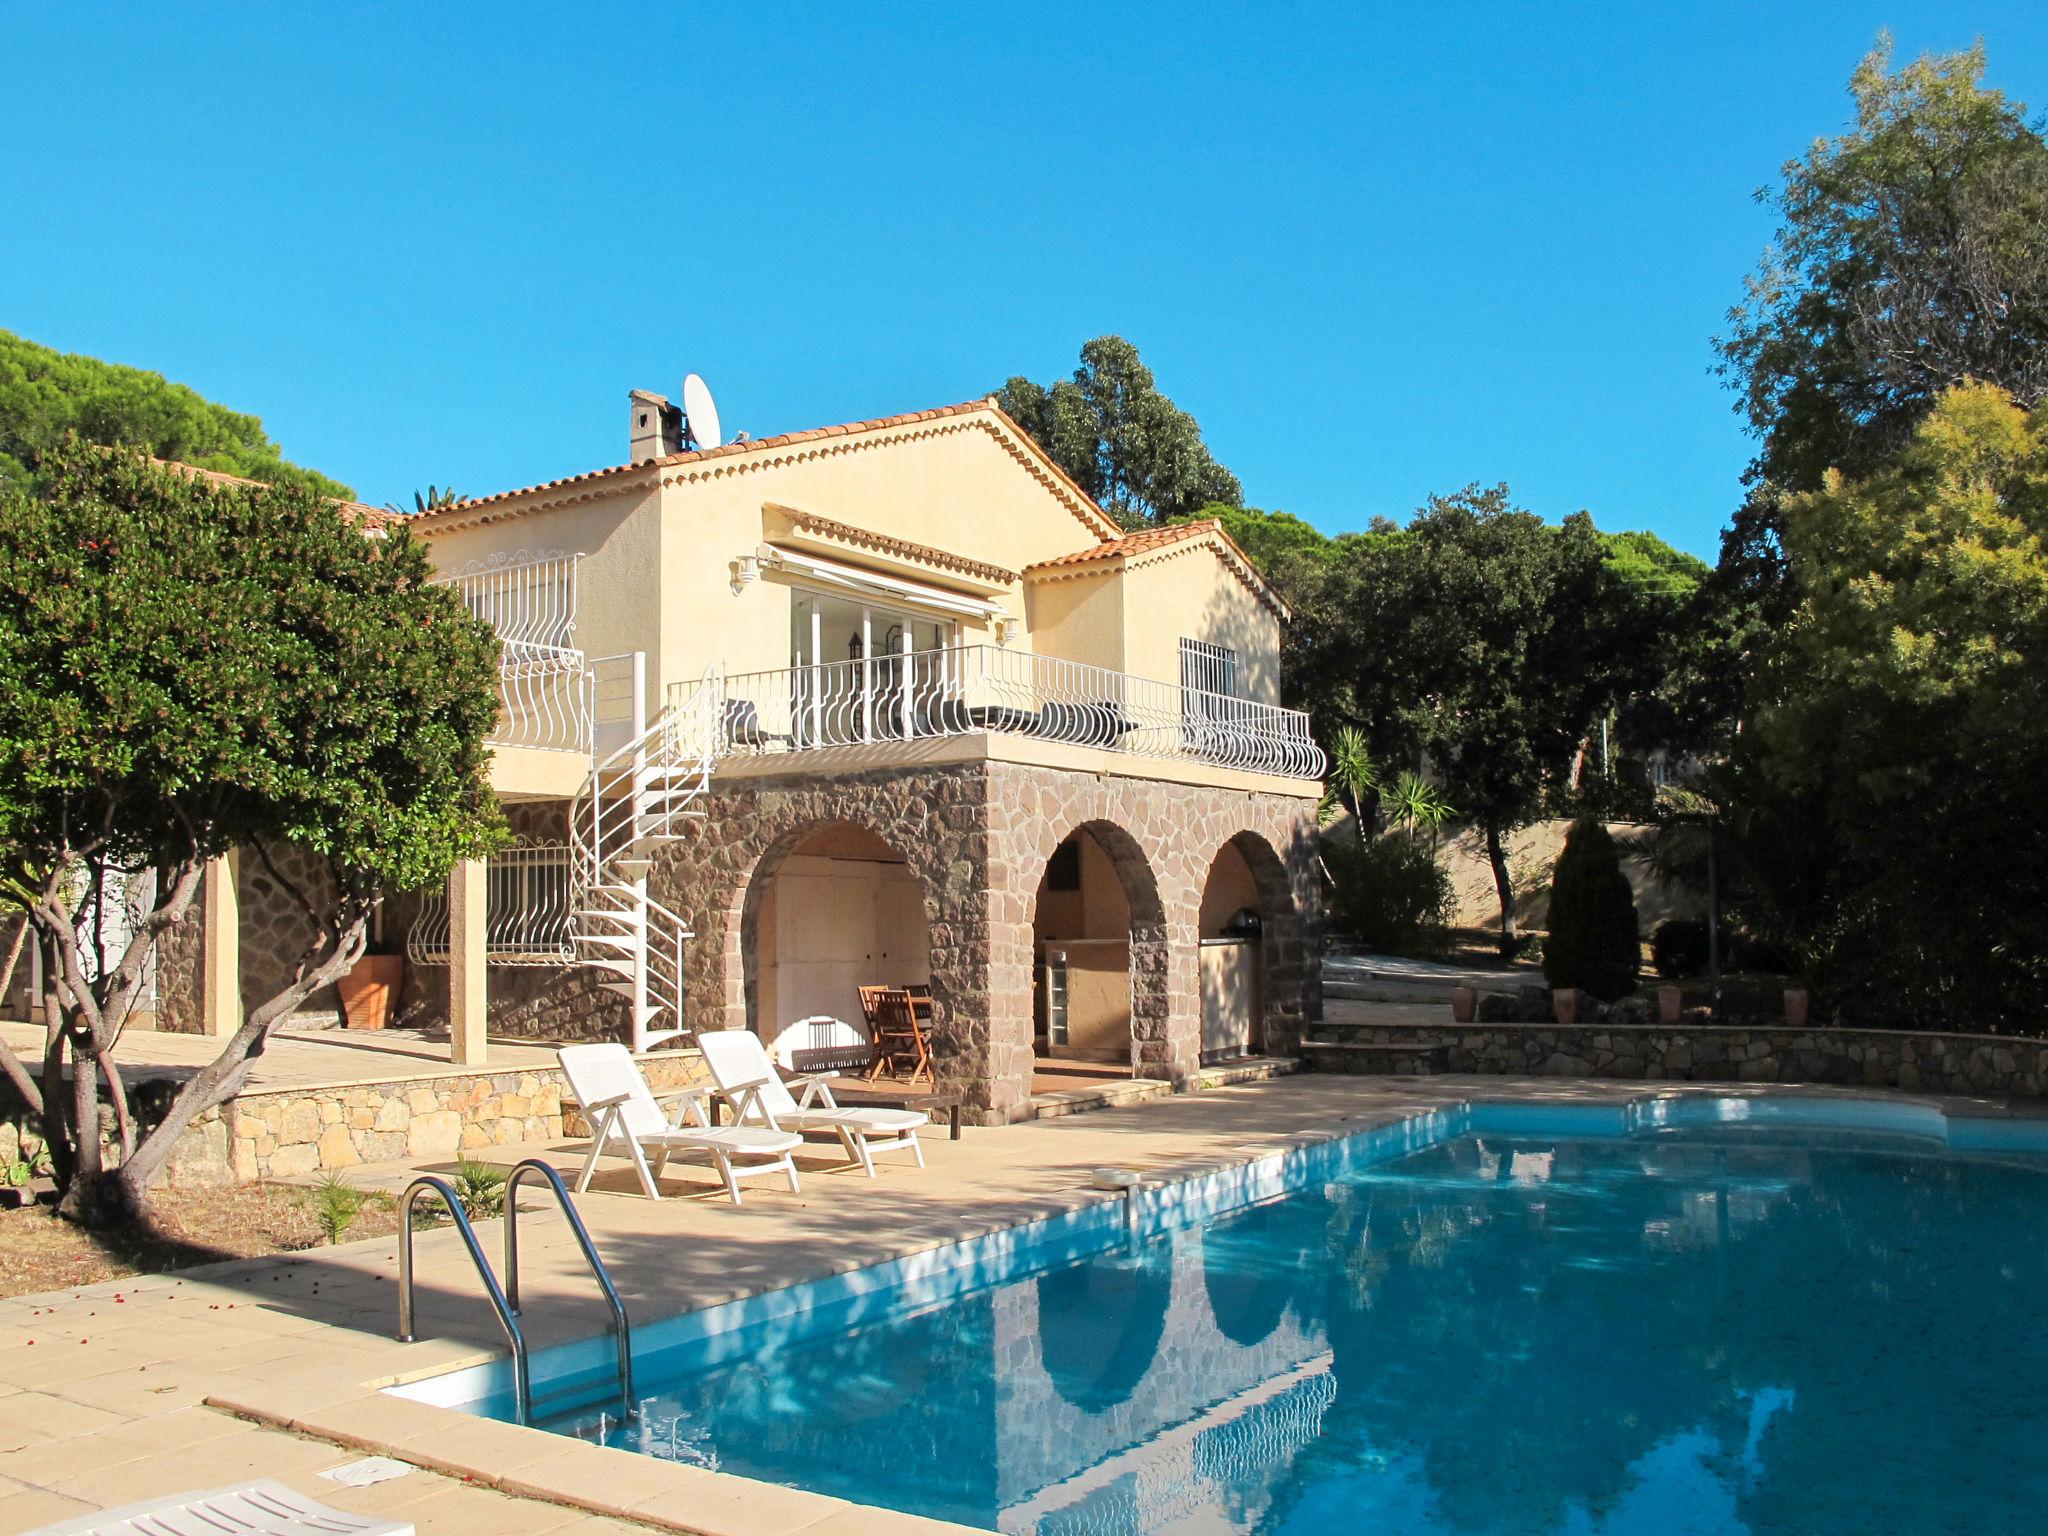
637,799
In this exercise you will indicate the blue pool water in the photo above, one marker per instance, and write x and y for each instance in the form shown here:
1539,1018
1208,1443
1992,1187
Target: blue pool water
1501,1325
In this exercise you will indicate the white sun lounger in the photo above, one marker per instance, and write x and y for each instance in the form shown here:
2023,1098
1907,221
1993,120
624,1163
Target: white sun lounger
747,1079
625,1113
251,1509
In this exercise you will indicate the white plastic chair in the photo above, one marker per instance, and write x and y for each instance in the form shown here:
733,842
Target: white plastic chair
262,1508
747,1079
622,1110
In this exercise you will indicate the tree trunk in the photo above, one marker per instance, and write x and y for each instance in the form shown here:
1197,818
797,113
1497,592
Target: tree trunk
82,1191
1497,856
13,960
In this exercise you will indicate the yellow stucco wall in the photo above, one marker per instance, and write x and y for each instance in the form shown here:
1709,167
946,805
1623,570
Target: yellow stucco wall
1186,591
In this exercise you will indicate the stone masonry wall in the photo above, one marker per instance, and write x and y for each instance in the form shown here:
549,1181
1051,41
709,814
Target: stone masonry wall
294,1133
977,837
1871,1058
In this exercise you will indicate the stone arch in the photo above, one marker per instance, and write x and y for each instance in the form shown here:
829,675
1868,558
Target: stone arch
1151,1046
1283,937
1111,1318
933,819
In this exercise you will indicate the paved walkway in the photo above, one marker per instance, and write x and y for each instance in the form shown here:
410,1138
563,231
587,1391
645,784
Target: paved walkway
104,1391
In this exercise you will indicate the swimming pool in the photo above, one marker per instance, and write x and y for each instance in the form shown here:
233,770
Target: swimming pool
1679,1315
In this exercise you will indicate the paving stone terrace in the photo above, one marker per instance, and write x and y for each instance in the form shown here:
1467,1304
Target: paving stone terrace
131,1389
1924,1062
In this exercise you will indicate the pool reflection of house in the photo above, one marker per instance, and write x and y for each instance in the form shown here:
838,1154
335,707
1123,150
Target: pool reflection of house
887,703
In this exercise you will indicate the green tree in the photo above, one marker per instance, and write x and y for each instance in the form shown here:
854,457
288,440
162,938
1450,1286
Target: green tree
45,394
188,668
1907,707
1912,254
1127,445
1478,640
1271,539
1592,943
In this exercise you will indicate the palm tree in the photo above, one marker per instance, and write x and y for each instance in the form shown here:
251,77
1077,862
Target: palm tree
1353,776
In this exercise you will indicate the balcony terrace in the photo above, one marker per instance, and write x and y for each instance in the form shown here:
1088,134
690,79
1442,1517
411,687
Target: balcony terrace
985,690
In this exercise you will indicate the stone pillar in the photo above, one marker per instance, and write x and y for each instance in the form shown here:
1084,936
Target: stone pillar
467,998
220,972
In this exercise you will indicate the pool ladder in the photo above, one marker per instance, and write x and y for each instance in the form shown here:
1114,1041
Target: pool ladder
504,1299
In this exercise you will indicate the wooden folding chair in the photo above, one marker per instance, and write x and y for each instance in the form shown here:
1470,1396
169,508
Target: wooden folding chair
901,1045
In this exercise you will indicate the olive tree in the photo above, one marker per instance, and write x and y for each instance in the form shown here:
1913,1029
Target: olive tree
187,668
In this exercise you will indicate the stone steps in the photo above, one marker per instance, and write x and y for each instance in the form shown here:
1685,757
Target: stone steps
1253,1069
1114,1094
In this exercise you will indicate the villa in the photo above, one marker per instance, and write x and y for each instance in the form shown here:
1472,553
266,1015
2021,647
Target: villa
885,704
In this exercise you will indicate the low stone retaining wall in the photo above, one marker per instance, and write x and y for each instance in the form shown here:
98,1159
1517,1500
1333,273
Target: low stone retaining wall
297,1132
1705,1053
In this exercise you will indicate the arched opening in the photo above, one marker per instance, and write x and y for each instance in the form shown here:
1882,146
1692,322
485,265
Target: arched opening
1095,926
1247,916
1100,1325
839,910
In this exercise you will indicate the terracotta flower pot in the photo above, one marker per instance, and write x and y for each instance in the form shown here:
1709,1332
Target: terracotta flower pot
1797,1001
369,992
1464,1004
1670,1005
1564,1004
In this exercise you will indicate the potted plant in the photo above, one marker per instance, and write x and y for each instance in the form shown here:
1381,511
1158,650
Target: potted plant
1670,1004
369,992
1464,1004
1797,1002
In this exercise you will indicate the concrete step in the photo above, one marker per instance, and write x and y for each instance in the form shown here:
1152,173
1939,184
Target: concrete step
1252,1069
1113,1094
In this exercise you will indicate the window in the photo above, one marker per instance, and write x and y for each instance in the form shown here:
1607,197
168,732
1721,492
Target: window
1207,668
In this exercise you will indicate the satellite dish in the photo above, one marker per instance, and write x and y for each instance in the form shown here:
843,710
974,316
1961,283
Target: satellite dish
700,414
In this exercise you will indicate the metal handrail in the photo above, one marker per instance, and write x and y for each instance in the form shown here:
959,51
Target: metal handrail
508,1317
622,1329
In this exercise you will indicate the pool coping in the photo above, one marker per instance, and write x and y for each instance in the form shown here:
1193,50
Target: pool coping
339,1406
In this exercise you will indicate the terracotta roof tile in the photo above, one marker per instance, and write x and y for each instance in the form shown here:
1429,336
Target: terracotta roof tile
1085,505
1146,540
882,543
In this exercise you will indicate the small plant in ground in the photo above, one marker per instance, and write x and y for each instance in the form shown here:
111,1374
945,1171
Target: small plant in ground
31,1161
1392,894
481,1189
336,1204
1592,943
1679,948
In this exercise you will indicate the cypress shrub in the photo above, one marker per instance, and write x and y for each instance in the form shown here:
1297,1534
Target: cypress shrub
1592,943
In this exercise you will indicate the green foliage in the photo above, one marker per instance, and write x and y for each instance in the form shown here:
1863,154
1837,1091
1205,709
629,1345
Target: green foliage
1271,539
1391,893
480,1187
1679,948
197,667
189,667
1127,445
1643,561
1912,254
45,394
1592,943
1903,719
1351,779
1414,804
336,1204
1480,637
31,1161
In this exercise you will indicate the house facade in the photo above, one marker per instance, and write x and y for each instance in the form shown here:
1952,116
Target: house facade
891,703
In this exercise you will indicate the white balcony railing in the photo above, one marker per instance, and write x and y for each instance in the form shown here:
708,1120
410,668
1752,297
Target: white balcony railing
968,690
543,682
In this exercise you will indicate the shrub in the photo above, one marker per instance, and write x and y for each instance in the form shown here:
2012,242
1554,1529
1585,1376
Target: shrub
1392,894
1679,947
336,1204
481,1189
1592,943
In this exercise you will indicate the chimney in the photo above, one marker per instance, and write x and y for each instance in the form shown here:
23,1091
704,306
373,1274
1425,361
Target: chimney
656,427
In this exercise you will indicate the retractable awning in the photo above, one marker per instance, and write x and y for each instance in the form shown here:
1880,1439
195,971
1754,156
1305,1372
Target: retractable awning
851,578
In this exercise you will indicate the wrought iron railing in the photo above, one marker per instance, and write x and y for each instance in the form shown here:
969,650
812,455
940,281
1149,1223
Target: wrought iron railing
527,907
529,600
968,690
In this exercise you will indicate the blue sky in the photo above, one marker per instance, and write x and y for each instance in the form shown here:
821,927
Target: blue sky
1378,252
